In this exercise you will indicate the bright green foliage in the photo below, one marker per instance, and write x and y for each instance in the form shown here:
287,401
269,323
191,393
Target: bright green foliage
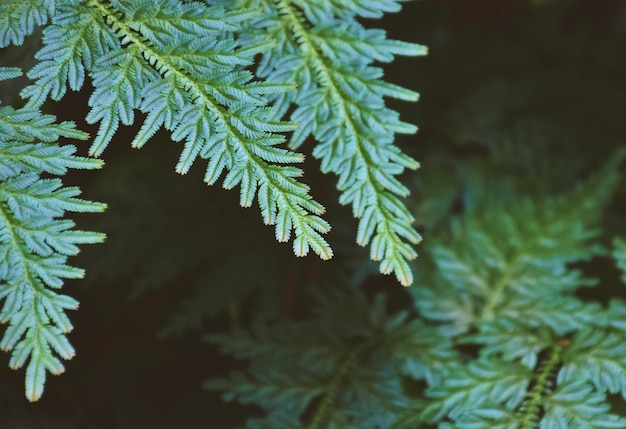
185,66
35,240
501,285
147,56
339,101
495,332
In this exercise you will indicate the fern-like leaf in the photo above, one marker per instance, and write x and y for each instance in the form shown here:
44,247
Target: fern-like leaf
336,363
35,240
597,356
339,101
19,18
575,404
501,263
515,288
145,55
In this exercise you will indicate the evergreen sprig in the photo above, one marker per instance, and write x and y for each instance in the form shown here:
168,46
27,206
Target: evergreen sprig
36,239
339,101
147,56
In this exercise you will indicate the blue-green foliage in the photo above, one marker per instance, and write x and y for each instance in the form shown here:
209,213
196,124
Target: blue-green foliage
504,284
322,48
19,18
35,239
344,364
494,334
185,66
498,337
148,56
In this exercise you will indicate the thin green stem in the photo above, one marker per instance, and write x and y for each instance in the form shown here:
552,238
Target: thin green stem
531,407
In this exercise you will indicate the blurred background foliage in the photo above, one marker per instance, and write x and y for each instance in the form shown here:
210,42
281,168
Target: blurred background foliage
517,97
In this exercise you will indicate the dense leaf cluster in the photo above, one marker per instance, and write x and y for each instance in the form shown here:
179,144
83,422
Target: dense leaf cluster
503,326
186,67
496,335
35,240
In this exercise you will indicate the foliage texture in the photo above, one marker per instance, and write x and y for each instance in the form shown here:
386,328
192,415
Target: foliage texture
185,66
339,101
499,284
508,324
35,239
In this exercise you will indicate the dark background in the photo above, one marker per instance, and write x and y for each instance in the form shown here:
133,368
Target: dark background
141,360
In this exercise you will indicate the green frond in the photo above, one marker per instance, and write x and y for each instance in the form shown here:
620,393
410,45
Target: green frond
512,323
517,388
35,240
273,389
500,262
29,124
336,361
7,73
47,157
575,404
511,340
508,292
19,18
339,102
482,382
596,356
146,56
34,246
